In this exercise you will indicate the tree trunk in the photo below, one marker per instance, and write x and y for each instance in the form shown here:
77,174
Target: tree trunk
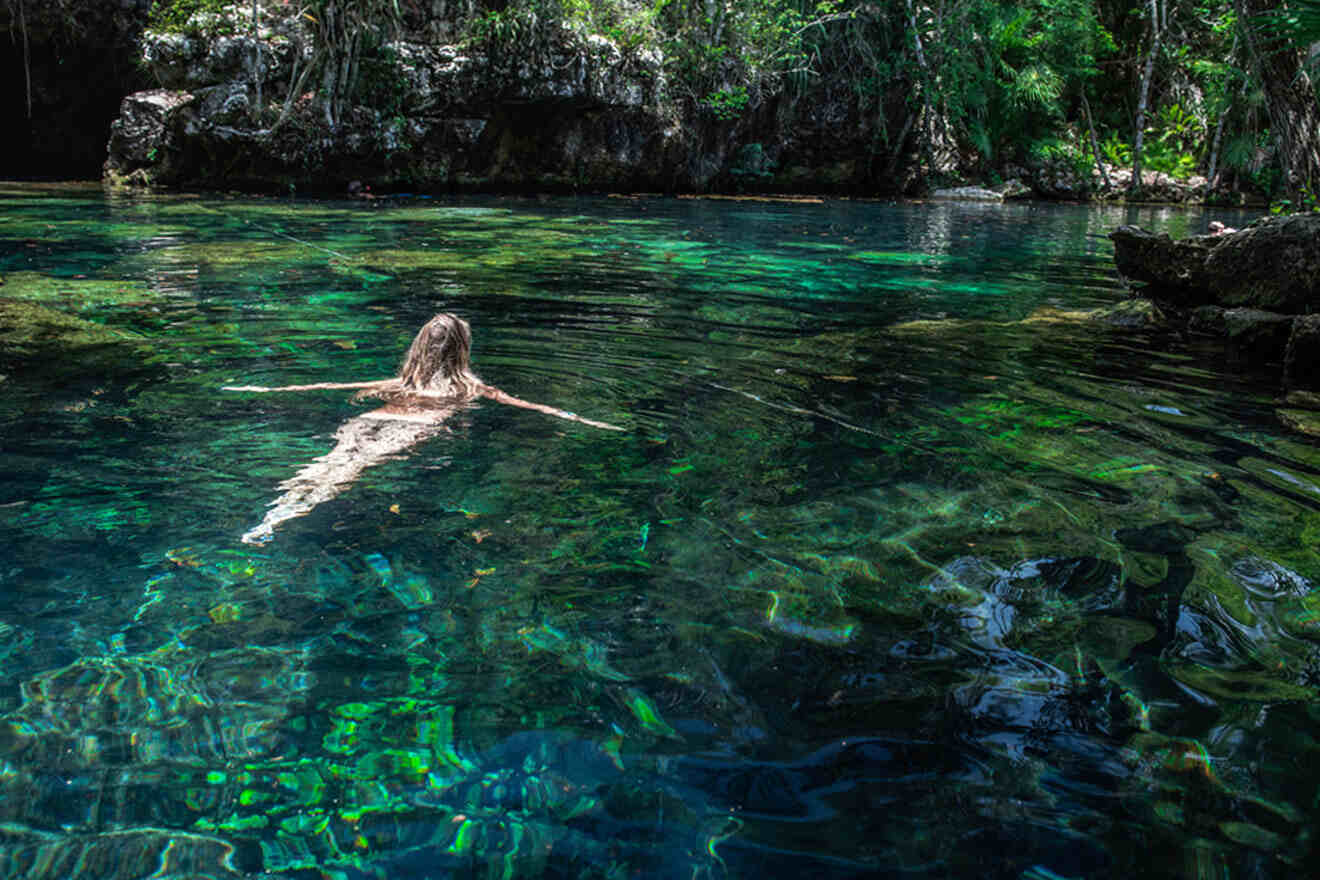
1212,173
930,119
897,154
1289,98
27,56
256,65
1095,143
1143,98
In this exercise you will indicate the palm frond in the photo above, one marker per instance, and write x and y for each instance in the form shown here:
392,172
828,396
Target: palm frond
1297,20
1036,86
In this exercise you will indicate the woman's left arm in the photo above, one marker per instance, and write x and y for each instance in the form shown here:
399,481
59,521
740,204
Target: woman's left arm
499,396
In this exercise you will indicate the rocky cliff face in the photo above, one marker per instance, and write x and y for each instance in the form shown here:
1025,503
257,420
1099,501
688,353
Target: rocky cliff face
573,112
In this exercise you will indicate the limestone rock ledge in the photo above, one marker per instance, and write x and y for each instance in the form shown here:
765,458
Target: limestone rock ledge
565,111
1258,288
578,109
1013,189
1273,264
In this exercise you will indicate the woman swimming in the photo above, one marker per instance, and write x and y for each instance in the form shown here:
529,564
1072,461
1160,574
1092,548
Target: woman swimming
435,381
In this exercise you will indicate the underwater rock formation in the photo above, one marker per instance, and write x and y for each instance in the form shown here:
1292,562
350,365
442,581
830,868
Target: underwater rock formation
27,328
1256,287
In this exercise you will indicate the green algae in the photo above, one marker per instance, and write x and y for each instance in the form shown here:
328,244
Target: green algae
27,328
901,258
76,294
1238,684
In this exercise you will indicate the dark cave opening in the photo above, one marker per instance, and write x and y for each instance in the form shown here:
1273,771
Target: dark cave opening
76,87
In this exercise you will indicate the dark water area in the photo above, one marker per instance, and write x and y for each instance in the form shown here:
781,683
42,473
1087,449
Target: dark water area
897,569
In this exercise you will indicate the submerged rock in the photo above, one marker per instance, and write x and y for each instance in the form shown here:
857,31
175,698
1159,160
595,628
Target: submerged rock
1128,313
1302,408
1301,420
967,194
1255,333
26,328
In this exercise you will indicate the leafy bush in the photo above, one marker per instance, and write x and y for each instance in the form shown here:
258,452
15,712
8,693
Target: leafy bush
1169,160
1116,151
176,16
1054,151
726,104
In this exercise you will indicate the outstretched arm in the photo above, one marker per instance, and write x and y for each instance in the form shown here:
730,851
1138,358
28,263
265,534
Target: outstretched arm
499,396
319,386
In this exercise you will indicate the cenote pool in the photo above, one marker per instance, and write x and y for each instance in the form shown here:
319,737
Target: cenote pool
881,579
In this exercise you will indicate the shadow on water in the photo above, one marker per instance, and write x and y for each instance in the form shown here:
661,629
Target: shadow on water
881,580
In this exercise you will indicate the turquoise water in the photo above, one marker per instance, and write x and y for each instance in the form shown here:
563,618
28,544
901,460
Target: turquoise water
897,569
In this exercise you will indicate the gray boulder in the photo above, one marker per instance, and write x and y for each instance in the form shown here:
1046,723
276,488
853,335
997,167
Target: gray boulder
967,194
1258,288
1273,264
141,139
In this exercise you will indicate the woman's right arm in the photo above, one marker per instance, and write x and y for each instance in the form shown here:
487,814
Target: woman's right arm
319,386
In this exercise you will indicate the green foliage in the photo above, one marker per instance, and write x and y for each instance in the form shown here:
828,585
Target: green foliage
1036,87
1053,150
1179,129
1248,154
1307,201
1006,74
1242,151
1168,160
1116,151
1299,22
749,44
176,16
726,104
512,31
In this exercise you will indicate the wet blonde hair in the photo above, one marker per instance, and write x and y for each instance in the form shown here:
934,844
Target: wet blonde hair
437,362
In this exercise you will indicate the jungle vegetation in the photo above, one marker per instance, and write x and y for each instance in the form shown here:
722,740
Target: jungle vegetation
1225,90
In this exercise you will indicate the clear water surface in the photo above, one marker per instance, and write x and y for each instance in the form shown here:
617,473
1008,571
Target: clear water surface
882,580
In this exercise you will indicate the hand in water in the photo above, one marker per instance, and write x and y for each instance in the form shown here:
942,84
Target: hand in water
262,534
